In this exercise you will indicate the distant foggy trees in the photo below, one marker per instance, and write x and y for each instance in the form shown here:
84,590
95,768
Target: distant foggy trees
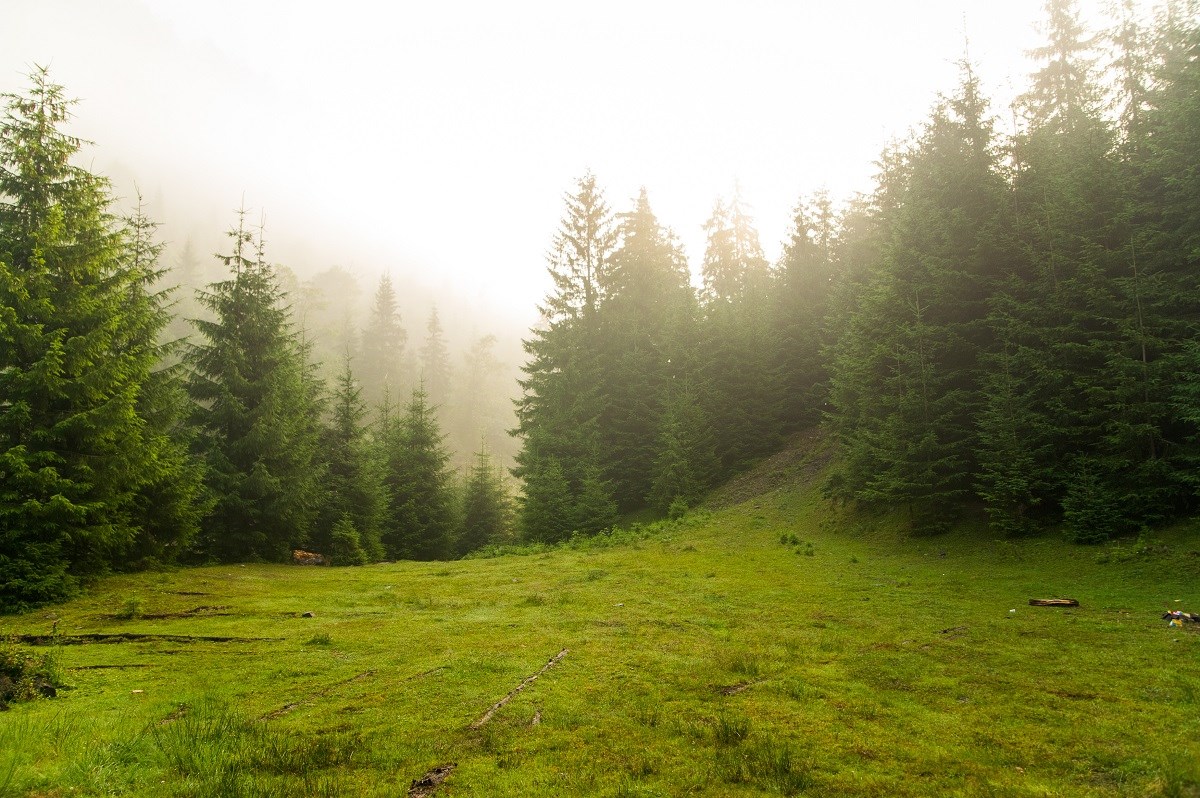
383,342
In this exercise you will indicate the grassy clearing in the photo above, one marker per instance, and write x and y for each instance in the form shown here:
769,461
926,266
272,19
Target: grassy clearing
774,646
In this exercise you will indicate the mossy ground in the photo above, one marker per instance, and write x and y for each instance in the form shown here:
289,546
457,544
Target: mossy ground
773,646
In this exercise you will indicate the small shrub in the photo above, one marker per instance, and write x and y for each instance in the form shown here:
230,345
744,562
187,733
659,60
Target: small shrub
320,639
1144,548
132,608
678,509
25,676
345,544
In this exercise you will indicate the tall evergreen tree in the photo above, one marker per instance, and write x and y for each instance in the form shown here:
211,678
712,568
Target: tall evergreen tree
734,357
257,408
435,365
419,515
1079,302
547,510
354,486
647,330
170,504
907,371
483,410
383,343
486,513
1164,266
85,420
685,459
559,410
801,301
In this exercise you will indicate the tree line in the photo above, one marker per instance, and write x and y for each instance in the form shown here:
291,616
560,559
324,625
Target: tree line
1006,321
122,446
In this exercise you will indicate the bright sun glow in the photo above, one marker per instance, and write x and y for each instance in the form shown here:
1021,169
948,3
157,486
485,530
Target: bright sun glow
438,138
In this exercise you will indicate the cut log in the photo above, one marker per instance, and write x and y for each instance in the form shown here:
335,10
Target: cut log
1053,603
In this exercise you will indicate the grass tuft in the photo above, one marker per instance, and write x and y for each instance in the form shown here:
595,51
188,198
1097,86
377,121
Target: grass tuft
729,730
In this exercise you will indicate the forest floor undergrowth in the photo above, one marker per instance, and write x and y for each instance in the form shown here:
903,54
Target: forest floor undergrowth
772,645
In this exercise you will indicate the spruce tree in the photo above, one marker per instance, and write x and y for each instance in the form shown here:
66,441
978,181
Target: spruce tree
1082,299
1162,274
354,486
799,307
86,423
486,512
483,411
257,409
558,414
685,460
170,503
547,509
647,329
383,342
419,513
906,382
734,357
435,366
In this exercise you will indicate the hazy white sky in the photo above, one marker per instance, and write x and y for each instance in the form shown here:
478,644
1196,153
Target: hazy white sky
438,137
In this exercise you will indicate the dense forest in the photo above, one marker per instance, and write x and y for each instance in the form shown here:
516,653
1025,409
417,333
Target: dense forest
1007,322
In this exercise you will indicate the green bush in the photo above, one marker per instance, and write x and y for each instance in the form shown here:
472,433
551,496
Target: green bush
132,608
25,676
345,544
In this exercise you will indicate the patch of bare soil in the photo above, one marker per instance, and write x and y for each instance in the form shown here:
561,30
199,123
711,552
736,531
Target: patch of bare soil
196,612
174,715
131,637
428,784
740,687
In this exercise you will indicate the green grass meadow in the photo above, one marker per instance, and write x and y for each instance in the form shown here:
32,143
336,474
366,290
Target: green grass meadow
773,646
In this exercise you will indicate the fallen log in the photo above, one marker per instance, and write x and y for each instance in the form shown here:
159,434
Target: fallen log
131,637
512,693
1053,603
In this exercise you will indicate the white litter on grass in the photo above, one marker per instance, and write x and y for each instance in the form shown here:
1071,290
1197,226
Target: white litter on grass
1012,612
